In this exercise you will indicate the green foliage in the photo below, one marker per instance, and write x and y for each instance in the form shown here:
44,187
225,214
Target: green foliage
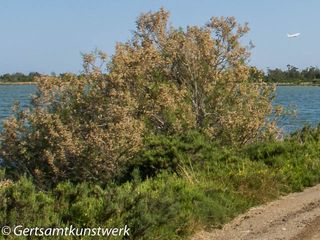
293,75
27,205
19,77
193,183
307,134
166,207
295,160
161,152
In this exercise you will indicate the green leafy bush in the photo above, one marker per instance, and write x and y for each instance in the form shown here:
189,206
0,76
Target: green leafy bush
200,185
166,207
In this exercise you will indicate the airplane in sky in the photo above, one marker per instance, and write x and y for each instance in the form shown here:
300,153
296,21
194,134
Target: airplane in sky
293,35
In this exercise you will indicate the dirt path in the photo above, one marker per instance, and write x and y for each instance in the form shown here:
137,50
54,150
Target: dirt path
293,217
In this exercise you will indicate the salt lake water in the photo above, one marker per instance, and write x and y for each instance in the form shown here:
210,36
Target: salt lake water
9,94
304,99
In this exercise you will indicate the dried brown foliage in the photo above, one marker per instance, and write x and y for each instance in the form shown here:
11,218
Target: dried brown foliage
163,80
200,76
81,128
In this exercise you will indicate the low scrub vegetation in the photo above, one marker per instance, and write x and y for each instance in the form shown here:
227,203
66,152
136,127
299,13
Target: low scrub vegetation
173,187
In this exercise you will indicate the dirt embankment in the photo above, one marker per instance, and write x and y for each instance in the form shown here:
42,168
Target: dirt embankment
293,217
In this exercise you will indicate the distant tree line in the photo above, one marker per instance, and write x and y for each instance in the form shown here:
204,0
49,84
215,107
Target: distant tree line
293,75
19,77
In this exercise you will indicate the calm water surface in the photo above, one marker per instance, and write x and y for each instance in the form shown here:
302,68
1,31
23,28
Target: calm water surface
306,100
9,94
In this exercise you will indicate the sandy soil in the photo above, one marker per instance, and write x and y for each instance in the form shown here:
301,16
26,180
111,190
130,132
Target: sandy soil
293,217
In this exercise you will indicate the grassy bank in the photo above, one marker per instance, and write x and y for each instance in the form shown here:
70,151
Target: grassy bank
174,187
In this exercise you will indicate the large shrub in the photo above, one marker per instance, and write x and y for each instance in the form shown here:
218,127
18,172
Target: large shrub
164,80
80,128
194,78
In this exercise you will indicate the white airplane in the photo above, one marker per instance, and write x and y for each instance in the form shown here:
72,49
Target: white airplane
293,35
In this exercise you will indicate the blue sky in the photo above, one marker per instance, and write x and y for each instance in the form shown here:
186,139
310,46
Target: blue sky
49,35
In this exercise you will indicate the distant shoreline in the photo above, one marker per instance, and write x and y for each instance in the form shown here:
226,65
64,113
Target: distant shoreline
18,83
277,84
299,84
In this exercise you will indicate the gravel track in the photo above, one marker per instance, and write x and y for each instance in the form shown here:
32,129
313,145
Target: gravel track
293,217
